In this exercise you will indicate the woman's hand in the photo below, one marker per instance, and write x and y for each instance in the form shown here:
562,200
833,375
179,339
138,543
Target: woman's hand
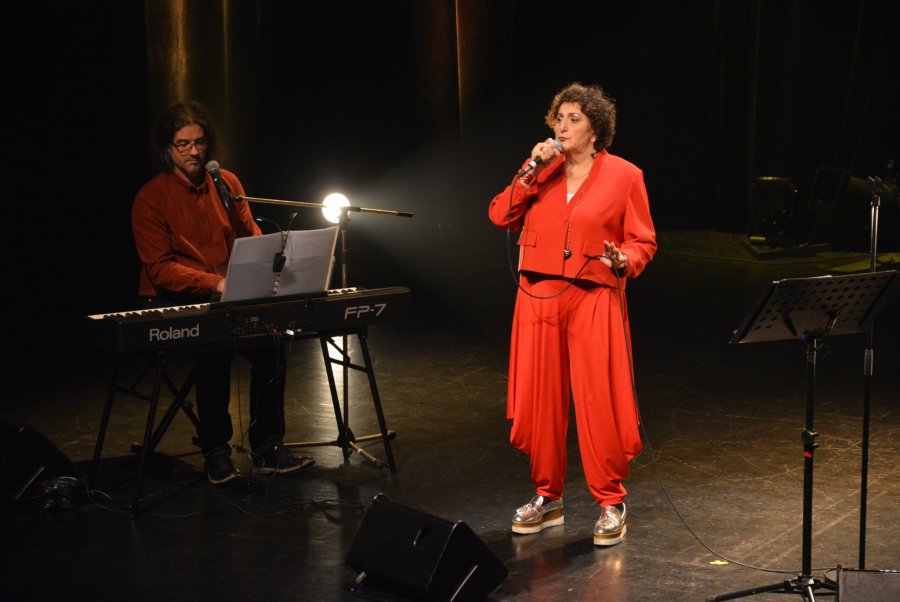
614,257
546,151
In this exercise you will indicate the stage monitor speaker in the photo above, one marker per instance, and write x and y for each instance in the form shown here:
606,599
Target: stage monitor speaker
868,586
27,459
420,557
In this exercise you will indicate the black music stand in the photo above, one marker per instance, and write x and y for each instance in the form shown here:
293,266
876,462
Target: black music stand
808,310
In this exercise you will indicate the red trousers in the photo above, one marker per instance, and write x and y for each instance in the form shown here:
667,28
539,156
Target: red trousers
578,339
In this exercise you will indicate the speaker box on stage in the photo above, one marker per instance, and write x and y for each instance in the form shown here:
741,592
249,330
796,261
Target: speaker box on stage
27,459
422,557
868,586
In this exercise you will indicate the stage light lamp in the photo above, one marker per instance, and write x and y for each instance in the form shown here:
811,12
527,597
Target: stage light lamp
333,202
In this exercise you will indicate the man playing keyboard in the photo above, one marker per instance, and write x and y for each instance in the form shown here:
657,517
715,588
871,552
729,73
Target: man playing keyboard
184,231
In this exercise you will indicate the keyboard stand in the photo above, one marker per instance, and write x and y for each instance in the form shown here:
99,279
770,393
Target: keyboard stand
151,437
345,439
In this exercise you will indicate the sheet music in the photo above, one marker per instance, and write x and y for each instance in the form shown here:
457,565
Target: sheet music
307,268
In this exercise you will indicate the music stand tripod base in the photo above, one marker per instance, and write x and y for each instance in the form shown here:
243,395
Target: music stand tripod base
351,444
345,439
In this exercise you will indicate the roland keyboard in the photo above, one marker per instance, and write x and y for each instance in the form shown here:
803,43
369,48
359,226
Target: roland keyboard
224,324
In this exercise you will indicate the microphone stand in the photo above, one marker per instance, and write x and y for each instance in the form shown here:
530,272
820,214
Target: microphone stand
875,188
346,438
254,199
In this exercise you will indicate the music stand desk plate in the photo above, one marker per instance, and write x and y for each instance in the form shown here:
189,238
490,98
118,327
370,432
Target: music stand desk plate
822,305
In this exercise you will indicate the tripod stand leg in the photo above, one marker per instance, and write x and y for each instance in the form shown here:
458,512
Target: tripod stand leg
783,587
804,586
367,455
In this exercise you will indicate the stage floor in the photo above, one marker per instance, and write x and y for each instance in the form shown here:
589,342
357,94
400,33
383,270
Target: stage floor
715,499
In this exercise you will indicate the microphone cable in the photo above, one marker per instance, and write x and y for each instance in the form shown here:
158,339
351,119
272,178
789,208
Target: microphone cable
514,272
652,455
280,368
280,258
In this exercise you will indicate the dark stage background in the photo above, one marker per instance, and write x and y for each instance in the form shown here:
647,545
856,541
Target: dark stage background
427,107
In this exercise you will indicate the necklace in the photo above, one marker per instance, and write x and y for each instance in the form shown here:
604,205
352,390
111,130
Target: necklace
579,177
567,252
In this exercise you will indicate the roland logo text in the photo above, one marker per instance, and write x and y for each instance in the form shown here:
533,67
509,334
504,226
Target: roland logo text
174,334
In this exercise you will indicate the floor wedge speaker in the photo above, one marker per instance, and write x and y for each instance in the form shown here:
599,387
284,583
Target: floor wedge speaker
421,557
868,586
27,459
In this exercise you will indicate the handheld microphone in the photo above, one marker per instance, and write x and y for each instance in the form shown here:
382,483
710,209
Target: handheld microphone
221,187
532,165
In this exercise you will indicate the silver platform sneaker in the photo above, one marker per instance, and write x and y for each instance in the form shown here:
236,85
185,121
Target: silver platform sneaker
610,528
537,515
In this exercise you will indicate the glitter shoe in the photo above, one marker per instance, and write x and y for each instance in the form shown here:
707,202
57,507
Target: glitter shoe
610,528
538,514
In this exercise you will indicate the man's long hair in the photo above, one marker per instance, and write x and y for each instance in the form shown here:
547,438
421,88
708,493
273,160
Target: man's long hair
173,119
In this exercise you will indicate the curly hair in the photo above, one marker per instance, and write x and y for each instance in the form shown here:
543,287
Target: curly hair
599,108
173,119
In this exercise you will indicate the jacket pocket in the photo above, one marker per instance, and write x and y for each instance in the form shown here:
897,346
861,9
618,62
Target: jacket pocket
592,248
528,238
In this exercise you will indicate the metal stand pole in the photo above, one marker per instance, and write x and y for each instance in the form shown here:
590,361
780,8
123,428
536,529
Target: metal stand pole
868,365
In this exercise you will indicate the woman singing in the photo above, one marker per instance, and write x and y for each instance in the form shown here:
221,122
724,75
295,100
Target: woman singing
585,228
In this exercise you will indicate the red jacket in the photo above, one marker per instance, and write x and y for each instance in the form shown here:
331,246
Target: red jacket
611,205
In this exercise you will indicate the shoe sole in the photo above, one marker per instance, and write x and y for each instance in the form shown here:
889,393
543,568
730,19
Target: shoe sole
610,540
230,477
269,470
551,519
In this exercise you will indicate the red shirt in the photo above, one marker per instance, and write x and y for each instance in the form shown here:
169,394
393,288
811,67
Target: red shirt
183,234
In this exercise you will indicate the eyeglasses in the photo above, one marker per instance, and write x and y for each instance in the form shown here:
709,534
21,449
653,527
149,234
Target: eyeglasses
184,146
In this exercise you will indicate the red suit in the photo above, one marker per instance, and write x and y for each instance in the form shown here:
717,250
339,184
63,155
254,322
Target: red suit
575,336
